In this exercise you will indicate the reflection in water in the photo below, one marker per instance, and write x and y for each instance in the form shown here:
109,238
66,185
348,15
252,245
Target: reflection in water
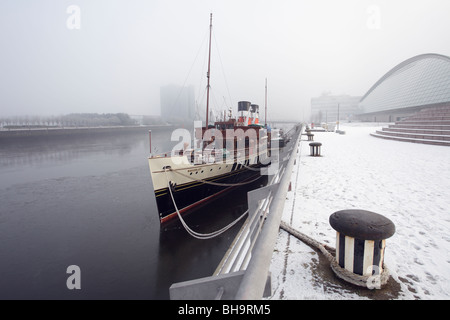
35,159
34,151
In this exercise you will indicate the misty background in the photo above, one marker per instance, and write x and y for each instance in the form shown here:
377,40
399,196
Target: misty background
118,54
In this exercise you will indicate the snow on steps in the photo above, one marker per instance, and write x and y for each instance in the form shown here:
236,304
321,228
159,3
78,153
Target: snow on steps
428,126
425,141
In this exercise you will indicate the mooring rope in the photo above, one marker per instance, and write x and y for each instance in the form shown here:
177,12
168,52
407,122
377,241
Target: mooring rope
197,235
251,168
344,274
221,184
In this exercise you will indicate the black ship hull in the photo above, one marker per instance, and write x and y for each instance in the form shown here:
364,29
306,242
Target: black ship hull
188,196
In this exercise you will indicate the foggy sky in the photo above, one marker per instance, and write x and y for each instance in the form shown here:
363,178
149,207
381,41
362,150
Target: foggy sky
125,51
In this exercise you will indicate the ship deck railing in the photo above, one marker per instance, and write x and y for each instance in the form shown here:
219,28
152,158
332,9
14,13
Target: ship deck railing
209,156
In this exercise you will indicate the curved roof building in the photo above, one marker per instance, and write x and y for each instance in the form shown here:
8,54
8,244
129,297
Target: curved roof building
419,82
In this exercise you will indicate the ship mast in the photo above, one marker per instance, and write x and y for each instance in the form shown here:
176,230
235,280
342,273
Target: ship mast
209,69
265,107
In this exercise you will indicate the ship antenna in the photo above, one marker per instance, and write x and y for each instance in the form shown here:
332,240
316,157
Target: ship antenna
209,69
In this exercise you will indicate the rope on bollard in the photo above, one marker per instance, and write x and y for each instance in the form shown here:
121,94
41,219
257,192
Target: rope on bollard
371,282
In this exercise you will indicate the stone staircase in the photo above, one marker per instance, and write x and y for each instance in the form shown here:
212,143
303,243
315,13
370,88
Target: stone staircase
429,126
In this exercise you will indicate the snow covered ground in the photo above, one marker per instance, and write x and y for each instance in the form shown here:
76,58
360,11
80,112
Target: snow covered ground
406,182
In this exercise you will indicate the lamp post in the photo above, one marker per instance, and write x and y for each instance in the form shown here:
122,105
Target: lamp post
338,118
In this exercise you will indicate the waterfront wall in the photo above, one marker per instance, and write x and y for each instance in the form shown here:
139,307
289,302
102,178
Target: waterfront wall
6,134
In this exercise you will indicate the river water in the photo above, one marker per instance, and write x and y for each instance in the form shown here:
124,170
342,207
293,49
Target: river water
88,201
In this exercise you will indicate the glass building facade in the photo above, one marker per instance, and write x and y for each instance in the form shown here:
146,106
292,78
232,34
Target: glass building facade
418,82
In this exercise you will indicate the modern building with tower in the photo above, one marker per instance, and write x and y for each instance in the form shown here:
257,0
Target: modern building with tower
327,108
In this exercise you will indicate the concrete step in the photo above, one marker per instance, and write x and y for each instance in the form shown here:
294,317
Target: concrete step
423,122
415,136
419,131
418,126
435,112
427,118
437,109
403,139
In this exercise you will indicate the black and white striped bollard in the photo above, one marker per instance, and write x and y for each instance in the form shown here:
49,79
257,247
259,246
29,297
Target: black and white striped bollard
361,240
315,149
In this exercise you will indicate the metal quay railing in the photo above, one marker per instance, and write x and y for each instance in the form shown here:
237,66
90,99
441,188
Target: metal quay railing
243,272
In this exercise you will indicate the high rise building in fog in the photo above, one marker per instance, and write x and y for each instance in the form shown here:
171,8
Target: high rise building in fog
326,107
177,104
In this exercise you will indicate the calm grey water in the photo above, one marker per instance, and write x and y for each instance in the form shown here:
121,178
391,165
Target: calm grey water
88,201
